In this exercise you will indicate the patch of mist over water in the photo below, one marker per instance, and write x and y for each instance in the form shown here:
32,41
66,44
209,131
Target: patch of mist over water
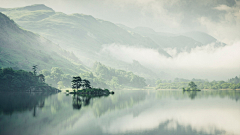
206,62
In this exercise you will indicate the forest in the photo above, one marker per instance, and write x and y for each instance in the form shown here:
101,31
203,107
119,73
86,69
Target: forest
117,78
101,76
20,80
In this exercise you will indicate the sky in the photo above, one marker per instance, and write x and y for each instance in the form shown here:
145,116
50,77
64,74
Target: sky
219,18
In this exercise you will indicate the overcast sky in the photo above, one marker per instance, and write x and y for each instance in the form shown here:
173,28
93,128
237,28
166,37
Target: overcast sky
220,18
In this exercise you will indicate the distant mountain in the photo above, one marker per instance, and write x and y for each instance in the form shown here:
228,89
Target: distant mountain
168,40
32,8
22,49
203,38
134,67
82,34
182,42
78,32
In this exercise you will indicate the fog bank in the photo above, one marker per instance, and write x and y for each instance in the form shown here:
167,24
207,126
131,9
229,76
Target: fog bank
207,62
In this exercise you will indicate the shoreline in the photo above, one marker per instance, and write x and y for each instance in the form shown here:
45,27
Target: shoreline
200,89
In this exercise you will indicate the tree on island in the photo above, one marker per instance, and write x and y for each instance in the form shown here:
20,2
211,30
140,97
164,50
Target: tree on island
192,87
86,84
76,82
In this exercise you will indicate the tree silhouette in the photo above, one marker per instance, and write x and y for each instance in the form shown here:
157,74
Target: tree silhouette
35,69
41,77
77,103
193,86
76,82
86,84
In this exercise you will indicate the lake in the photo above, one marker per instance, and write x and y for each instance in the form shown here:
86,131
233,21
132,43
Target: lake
127,112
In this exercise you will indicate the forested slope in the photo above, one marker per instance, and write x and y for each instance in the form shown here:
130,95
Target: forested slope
22,49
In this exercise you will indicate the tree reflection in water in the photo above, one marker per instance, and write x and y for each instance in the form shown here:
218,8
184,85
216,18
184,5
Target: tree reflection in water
79,100
11,102
191,94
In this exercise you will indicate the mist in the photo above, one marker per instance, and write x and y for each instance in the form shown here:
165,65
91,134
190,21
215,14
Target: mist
206,62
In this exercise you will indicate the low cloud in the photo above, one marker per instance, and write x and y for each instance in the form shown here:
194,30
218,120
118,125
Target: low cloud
206,59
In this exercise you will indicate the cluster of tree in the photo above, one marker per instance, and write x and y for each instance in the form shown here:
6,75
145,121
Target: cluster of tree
96,81
192,87
77,83
232,83
19,79
235,80
117,78
102,76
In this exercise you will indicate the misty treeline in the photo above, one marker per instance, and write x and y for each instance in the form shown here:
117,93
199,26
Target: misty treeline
117,78
56,78
179,83
101,76
18,80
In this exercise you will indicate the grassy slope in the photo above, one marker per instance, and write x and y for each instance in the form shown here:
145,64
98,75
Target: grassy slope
22,49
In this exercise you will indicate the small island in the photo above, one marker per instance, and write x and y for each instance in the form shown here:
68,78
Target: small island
78,83
192,87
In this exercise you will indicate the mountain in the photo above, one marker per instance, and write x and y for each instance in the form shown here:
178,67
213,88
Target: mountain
78,32
168,40
22,49
82,34
134,67
202,38
182,42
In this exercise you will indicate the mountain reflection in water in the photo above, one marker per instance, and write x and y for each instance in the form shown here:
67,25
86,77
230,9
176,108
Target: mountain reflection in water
126,112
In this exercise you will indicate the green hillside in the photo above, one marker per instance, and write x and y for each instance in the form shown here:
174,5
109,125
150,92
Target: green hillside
22,49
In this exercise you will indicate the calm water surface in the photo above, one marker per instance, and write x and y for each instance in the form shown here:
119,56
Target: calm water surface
126,112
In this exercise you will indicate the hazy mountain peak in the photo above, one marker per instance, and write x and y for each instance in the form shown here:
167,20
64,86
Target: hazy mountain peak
200,37
35,7
38,7
145,29
84,16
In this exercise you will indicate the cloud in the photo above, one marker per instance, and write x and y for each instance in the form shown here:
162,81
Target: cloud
228,26
223,7
200,57
222,60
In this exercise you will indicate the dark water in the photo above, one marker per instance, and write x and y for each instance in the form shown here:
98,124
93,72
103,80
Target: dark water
125,112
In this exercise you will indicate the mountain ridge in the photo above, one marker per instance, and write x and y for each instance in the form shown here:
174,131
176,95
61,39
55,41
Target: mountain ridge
80,29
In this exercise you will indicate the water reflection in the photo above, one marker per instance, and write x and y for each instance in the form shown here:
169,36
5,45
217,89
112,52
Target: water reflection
126,112
192,94
78,101
11,102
